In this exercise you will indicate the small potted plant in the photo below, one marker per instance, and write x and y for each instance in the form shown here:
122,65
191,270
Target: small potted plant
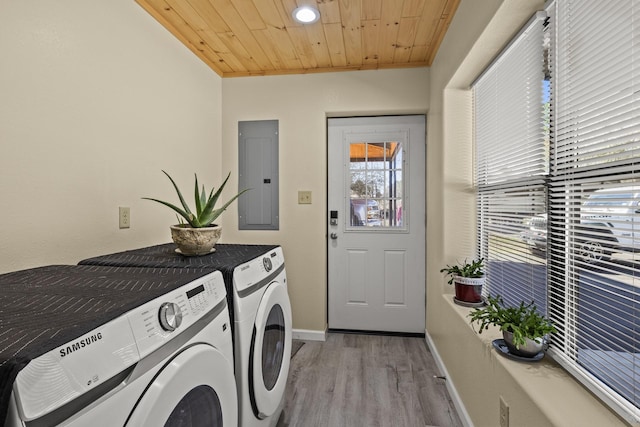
468,278
525,331
199,234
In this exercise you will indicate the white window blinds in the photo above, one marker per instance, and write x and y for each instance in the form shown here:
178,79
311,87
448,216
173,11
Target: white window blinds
511,166
594,197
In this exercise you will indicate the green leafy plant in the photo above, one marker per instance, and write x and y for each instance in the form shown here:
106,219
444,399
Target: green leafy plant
467,269
205,212
522,321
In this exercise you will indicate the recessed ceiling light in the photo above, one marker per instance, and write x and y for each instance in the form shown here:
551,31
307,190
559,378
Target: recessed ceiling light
306,14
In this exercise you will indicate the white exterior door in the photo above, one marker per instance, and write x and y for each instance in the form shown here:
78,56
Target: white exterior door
376,223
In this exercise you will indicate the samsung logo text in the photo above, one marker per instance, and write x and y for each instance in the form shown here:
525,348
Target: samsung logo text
80,344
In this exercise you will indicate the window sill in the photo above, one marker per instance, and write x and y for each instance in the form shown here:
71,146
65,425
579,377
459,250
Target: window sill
545,384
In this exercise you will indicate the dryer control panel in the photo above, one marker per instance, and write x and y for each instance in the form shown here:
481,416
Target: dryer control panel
253,272
158,321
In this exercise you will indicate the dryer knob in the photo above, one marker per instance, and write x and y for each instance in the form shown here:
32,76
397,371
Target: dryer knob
170,316
267,264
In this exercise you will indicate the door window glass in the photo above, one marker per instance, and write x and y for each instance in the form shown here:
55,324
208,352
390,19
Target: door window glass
376,185
198,408
273,347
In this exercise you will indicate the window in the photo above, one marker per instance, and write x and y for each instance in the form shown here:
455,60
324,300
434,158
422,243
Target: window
512,143
594,192
376,186
559,217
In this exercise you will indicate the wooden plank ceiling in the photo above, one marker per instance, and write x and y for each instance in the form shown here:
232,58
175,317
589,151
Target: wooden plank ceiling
259,37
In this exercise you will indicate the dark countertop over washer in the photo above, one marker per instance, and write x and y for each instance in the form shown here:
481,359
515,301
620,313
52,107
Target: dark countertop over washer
225,258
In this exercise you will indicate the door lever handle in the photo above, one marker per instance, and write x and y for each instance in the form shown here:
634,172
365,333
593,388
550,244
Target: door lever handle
334,236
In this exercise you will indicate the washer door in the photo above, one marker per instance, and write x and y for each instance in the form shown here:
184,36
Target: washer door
196,388
270,351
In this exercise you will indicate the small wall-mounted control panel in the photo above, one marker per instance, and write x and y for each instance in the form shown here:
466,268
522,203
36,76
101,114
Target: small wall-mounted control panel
304,197
124,217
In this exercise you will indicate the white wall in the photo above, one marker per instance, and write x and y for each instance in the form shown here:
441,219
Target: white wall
301,104
95,99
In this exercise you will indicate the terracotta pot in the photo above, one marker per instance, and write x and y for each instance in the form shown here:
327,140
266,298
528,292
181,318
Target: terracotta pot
468,289
195,241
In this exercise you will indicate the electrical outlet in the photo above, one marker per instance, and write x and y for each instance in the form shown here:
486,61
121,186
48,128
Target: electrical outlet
504,413
124,217
304,197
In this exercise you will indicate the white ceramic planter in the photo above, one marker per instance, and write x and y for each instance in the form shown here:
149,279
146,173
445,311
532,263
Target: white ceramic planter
195,241
530,349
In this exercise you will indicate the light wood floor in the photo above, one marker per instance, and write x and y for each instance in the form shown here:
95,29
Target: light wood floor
364,381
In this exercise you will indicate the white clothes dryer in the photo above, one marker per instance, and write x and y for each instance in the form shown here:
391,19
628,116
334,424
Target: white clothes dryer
260,311
263,338
102,346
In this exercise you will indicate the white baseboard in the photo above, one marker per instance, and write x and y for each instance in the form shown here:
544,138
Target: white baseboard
455,397
309,335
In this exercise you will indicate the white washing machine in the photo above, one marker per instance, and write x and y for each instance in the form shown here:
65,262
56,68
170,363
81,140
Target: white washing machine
260,310
135,347
263,334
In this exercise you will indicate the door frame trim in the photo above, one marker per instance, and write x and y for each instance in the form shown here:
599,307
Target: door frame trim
328,116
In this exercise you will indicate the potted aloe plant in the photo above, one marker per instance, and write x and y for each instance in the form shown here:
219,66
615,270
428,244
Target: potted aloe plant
468,279
524,330
199,234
